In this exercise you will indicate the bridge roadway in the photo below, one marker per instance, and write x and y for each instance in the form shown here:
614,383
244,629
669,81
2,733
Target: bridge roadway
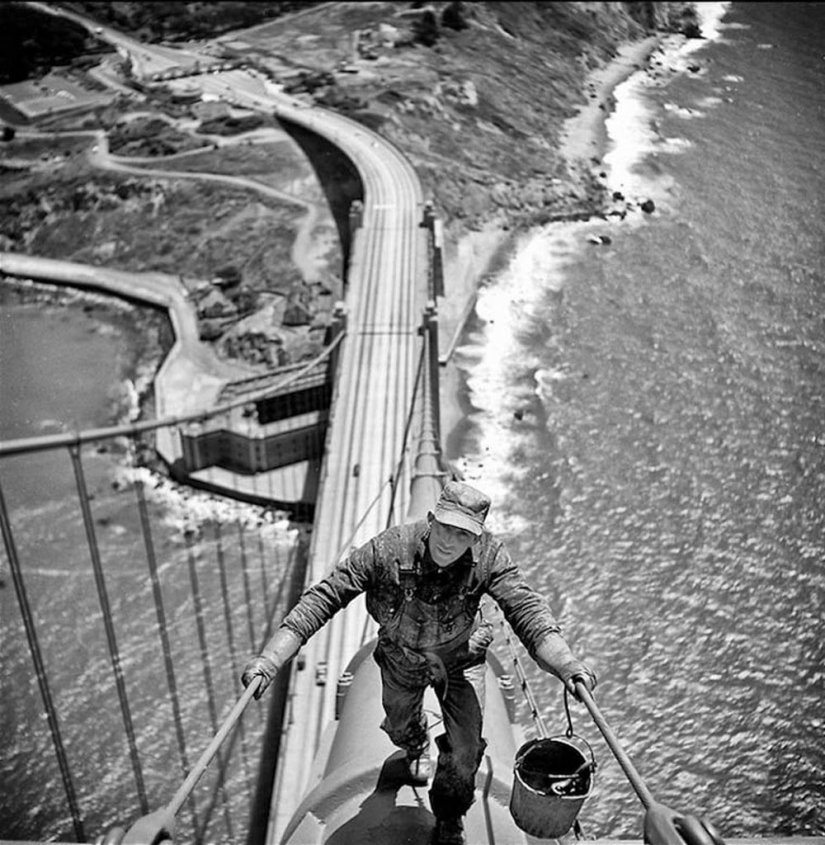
386,296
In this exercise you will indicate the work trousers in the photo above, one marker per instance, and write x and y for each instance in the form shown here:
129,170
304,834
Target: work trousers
460,693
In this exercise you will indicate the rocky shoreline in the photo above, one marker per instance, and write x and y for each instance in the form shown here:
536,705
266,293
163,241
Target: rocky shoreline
471,256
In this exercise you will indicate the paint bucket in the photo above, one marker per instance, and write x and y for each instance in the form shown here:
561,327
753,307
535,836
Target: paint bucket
552,779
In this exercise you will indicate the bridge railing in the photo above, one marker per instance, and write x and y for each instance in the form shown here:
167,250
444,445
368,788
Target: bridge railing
138,599
138,602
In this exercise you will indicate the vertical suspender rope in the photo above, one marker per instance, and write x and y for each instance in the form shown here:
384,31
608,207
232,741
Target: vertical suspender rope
100,581
407,427
164,638
227,612
222,567
207,672
246,585
39,668
233,658
264,579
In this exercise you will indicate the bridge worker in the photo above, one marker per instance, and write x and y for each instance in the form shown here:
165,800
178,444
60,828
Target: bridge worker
424,582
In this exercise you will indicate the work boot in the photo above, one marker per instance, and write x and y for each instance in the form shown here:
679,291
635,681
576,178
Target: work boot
420,767
449,831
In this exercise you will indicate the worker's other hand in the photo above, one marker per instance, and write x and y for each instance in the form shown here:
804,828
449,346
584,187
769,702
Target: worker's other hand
261,667
576,670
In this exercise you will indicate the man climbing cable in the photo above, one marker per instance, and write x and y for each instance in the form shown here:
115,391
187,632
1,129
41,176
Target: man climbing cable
424,583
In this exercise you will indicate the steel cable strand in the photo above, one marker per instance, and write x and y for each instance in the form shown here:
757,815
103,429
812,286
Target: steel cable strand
408,427
525,686
133,430
163,631
51,715
84,500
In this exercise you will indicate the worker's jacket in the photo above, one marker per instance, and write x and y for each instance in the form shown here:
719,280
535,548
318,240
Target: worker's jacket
421,609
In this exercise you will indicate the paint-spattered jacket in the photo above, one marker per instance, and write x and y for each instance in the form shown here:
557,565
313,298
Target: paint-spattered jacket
424,611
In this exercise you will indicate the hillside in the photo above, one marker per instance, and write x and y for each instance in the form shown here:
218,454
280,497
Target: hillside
474,94
476,98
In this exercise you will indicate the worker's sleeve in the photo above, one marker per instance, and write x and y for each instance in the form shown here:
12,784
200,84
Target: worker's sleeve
320,602
527,611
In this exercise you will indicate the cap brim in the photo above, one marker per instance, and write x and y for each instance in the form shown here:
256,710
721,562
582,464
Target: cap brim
458,520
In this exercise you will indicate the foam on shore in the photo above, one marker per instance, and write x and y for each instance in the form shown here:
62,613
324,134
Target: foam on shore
583,136
631,134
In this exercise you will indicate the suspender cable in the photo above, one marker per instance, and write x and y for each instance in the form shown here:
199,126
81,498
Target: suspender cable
398,472
103,597
264,579
207,671
39,668
233,657
164,638
246,585
430,328
227,611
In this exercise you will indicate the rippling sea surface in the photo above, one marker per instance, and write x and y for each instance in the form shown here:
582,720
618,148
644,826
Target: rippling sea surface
649,416
75,366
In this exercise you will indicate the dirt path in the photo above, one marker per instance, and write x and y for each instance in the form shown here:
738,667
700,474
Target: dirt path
305,253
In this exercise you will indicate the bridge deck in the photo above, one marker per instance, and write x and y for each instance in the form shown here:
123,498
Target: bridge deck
387,294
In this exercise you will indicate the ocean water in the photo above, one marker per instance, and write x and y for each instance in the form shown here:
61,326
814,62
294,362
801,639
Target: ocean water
648,414
222,568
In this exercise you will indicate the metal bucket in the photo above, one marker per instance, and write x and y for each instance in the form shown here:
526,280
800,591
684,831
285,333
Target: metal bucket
552,779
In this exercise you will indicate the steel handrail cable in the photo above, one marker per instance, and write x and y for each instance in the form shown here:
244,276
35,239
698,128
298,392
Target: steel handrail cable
541,729
158,826
57,441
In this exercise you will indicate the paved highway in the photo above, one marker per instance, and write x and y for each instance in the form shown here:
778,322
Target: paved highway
387,293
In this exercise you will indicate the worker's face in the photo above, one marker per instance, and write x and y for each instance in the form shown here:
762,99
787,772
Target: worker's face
447,543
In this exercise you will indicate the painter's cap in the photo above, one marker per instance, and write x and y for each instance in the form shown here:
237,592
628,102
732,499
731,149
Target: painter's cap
462,506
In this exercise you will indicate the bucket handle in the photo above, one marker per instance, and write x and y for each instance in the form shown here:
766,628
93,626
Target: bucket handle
587,764
570,731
